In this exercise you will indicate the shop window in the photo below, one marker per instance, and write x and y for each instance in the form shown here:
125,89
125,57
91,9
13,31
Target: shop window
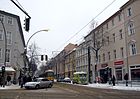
119,73
135,74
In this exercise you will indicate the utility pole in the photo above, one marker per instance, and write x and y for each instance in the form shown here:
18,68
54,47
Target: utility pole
89,62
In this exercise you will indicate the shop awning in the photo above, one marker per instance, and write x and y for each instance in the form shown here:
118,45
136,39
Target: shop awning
8,69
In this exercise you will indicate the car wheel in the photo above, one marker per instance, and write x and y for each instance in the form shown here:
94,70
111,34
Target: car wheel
37,86
50,85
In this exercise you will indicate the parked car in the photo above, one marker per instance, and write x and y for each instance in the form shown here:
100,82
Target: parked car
60,80
39,83
67,80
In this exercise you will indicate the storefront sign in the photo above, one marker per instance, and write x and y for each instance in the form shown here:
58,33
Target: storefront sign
118,63
104,65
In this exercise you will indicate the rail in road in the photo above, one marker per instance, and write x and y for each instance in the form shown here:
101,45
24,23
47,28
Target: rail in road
68,91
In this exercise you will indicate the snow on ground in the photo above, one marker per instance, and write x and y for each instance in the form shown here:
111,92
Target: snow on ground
119,87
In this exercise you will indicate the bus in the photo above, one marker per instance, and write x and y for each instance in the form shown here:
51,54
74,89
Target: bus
49,74
80,78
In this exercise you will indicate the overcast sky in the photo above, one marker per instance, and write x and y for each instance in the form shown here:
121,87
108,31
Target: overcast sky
64,19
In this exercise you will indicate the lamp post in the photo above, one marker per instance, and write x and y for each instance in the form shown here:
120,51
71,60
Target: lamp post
28,43
3,67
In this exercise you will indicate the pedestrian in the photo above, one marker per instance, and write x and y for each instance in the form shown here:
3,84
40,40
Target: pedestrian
29,78
19,80
113,80
8,80
0,80
126,79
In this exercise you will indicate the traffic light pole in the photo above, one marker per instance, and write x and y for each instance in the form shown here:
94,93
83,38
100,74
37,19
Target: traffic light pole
21,9
25,50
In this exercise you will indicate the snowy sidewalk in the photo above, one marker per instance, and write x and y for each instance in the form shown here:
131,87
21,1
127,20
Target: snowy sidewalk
11,87
117,86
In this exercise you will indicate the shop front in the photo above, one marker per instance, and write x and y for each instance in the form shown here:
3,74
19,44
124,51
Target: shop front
105,73
135,72
119,69
9,72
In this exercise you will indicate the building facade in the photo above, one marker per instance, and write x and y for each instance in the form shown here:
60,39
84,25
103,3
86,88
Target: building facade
70,66
13,46
64,62
116,44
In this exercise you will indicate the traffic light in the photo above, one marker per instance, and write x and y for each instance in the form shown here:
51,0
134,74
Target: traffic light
46,57
3,70
27,24
42,57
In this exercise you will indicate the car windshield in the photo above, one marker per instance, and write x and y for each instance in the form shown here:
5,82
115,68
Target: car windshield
37,80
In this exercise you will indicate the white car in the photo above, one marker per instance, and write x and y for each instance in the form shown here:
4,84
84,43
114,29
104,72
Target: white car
39,83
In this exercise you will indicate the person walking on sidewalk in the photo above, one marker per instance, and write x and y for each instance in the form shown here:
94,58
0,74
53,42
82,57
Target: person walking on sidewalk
8,80
0,80
126,79
113,80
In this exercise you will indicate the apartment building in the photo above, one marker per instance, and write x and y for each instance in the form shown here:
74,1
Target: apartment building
14,44
116,41
70,64
132,31
63,63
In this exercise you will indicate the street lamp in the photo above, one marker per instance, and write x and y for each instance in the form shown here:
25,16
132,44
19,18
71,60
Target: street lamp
25,49
3,67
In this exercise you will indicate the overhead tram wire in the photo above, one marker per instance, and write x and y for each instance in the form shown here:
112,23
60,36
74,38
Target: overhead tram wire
87,23
20,5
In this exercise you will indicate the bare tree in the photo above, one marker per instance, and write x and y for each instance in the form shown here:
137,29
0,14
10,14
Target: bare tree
33,58
93,24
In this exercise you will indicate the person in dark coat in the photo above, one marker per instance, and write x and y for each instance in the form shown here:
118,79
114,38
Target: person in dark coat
126,78
113,80
8,80
0,80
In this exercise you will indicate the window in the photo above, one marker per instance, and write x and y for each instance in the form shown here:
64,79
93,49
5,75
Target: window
119,17
131,29
7,55
1,34
129,11
107,26
109,57
135,74
10,21
9,37
115,55
122,52
0,53
133,49
107,40
112,22
114,37
1,18
121,34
